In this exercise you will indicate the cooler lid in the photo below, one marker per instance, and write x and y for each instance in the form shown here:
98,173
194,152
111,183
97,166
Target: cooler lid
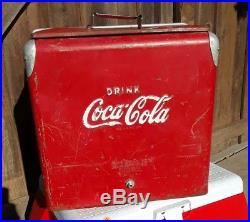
115,30
93,30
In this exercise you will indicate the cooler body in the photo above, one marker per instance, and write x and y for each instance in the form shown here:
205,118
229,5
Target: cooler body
118,108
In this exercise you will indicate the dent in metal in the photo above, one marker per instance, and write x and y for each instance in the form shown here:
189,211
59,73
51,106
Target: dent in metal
29,56
214,46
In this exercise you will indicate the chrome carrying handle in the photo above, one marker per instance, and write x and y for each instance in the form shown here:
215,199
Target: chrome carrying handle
110,16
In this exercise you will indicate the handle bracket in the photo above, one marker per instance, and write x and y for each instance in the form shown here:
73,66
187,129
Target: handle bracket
110,16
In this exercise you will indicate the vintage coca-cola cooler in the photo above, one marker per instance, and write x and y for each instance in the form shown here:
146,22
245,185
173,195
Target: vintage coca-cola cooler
126,107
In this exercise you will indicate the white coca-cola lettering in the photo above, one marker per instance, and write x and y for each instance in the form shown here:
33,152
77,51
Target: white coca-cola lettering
119,90
133,113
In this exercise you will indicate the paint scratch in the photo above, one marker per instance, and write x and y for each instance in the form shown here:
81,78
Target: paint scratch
198,120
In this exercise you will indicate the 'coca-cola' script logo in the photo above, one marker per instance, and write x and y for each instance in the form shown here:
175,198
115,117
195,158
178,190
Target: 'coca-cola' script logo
98,114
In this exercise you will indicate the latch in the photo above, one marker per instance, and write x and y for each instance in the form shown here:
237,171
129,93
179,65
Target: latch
172,211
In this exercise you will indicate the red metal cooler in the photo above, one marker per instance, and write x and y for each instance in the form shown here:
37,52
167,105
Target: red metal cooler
122,107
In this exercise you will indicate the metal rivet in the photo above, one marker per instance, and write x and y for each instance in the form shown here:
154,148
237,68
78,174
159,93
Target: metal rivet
130,183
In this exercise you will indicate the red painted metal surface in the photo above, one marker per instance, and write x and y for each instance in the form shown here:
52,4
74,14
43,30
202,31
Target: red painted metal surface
232,208
92,142
39,210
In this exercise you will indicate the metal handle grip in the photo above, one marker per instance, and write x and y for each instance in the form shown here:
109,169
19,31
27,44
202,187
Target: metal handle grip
124,17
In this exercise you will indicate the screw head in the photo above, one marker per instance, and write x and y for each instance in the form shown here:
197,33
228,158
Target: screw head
130,183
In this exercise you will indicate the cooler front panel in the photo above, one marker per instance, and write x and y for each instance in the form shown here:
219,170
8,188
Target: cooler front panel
113,109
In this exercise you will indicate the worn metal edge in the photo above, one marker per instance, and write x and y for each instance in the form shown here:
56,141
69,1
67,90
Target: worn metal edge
40,29
134,26
29,56
214,46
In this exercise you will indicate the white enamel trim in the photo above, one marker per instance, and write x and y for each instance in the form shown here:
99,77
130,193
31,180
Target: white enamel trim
222,184
29,56
214,46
